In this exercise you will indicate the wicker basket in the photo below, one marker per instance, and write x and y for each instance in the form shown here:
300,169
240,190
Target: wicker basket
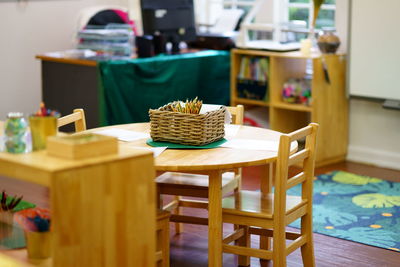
184,128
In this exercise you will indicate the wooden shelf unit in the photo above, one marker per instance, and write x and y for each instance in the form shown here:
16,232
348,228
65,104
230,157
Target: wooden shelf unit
101,207
329,105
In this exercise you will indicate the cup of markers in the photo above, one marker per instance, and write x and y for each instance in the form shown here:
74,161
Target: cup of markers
43,124
36,225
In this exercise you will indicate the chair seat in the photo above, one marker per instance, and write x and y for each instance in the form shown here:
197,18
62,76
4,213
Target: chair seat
190,180
256,204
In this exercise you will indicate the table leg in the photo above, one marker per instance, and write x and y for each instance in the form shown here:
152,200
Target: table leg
215,219
266,178
266,187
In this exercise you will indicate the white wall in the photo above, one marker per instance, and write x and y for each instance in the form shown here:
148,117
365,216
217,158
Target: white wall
374,134
28,28
342,23
374,131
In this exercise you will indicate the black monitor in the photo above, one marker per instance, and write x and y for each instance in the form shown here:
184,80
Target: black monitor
173,19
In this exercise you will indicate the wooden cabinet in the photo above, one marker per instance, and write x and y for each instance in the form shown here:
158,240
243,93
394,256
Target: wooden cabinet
328,107
103,208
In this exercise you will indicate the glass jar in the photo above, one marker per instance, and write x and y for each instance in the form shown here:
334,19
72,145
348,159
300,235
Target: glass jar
17,137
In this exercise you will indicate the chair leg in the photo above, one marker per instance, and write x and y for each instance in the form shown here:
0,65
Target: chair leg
279,247
162,244
177,211
265,243
159,199
165,244
159,234
244,241
236,226
266,187
307,250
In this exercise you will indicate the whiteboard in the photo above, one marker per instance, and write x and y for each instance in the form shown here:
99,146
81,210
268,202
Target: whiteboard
374,50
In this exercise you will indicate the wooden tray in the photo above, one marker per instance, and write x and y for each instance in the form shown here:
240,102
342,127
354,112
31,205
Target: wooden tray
80,146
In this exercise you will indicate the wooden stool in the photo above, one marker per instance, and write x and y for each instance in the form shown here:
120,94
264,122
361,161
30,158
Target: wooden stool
162,247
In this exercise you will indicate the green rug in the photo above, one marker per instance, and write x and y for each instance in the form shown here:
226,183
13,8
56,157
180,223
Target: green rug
356,208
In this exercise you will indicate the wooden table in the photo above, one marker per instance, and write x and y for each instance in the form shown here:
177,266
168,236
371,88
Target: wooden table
213,162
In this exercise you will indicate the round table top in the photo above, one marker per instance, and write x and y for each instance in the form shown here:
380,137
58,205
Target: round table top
209,159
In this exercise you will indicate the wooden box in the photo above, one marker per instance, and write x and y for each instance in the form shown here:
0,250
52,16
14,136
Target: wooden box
80,146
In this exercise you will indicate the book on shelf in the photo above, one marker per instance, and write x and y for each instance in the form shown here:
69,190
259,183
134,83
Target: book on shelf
253,68
252,79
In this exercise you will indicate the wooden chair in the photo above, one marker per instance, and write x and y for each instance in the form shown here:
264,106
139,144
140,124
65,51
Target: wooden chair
162,249
195,185
77,117
269,214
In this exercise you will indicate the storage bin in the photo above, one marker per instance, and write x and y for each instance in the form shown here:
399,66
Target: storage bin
252,89
185,128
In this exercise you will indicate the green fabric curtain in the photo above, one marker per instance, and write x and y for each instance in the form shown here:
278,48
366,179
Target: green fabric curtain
129,88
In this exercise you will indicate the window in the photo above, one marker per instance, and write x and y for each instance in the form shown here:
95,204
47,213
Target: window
302,10
242,4
292,17
209,11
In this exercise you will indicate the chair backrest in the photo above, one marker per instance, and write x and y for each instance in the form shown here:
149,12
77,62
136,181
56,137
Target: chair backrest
77,117
305,157
237,114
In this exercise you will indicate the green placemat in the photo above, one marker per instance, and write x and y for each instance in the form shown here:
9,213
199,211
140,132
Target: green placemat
215,144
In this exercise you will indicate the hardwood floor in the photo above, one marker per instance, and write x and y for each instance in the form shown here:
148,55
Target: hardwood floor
190,247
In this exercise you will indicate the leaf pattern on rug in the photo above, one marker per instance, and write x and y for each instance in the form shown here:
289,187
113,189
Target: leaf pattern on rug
335,188
357,208
350,178
388,188
323,215
376,201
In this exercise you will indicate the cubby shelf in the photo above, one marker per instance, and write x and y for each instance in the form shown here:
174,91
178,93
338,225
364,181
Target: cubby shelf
289,106
245,101
329,106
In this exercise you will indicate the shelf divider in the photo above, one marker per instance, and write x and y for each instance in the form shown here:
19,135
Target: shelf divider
295,107
240,100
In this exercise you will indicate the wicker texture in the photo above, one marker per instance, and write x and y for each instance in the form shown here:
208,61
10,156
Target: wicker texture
185,128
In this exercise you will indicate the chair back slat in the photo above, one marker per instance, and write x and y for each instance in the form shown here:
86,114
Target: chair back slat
237,114
77,117
295,180
68,119
301,133
298,157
